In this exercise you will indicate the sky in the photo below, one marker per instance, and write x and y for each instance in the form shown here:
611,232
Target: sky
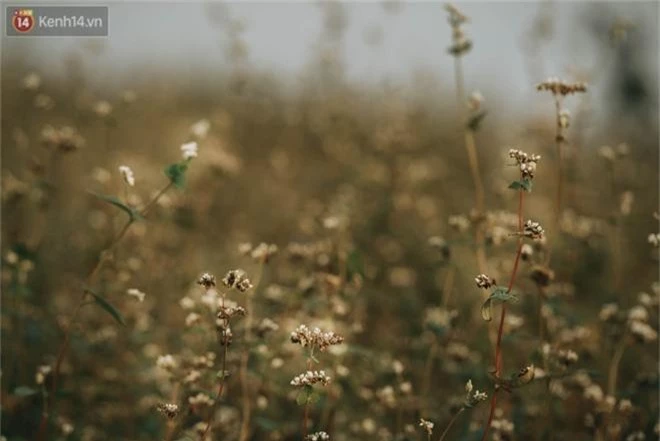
282,36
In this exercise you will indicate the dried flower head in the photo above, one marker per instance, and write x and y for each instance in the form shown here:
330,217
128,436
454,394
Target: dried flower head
560,87
315,338
484,282
473,397
207,280
237,279
168,409
533,230
66,139
229,312
460,43
310,378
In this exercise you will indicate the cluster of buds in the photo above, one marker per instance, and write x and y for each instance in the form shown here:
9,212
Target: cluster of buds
427,425
207,280
237,279
526,162
564,118
65,139
315,338
310,378
261,253
201,399
168,409
189,150
533,230
317,436
484,282
473,397
230,311
560,87
166,362
654,239
460,43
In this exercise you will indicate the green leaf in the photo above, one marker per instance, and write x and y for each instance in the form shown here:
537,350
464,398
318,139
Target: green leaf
103,303
302,397
475,120
177,174
24,391
313,397
132,213
524,184
500,293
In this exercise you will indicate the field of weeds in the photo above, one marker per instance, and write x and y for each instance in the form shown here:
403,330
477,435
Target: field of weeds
238,258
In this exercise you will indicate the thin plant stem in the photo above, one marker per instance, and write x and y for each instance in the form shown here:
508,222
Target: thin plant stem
500,330
451,423
559,140
221,385
247,402
90,279
473,160
613,373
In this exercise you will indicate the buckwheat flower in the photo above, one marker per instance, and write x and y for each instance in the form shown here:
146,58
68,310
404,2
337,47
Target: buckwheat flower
168,409
201,399
310,378
567,357
559,87
594,392
654,239
67,428
317,436
166,362
187,303
228,312
66,139
638,313
128,96
103,109
206,280
606,152
267,325
192,376
459,222
237,279
526,252
473,397
192,319
427,425
608,311
484,282
315,338
526,162
533,230
189,150
201,128
133,292
44,102
397,367
127,175
42,372
474,101
263,252
643,332
31,81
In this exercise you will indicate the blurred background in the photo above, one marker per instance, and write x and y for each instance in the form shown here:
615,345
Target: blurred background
333,131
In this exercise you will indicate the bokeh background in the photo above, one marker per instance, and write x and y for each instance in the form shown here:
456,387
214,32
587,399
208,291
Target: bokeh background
331,130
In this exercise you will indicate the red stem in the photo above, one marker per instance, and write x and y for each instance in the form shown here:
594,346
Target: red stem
500,330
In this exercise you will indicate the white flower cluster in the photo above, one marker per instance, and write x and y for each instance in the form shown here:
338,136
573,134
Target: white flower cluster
168,409
310,378
317,436
484,282
189,150
473,397
526,162
533,230
133,292
166,362
237,279
315,338
427,425
201,399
